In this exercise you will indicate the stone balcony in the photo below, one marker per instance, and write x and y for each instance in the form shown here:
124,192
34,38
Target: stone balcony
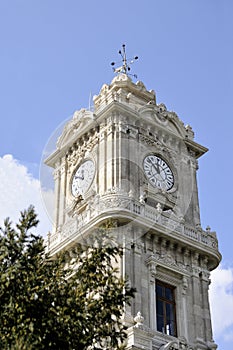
122,207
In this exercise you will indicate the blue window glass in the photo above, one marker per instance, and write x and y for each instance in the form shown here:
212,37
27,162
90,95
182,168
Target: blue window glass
165,308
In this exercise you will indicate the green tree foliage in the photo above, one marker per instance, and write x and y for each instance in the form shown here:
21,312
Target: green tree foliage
70,302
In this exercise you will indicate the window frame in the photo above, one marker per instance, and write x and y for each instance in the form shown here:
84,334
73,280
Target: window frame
165,301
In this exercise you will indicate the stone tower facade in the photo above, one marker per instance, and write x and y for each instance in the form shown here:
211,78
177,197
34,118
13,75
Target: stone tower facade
134,162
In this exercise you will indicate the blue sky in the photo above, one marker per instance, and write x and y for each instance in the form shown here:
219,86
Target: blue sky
54,54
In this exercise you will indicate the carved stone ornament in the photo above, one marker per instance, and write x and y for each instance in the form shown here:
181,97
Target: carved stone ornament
183,344
162,107
184,285
180,344
151,141
138,319
189,132
152,263
141,85
172,345
79,121
114,202
77,152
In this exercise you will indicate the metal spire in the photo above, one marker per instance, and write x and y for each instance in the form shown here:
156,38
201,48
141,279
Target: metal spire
125,67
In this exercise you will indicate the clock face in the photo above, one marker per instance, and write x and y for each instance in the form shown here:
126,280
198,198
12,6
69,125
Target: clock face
158,172
83,178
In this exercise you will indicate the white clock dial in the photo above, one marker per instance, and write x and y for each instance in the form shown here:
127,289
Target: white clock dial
158,172
83,178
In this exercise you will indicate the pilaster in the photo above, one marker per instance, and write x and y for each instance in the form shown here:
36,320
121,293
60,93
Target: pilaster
137,249
151,263
62,192
195,200
57,182
110,156
196,298
184,317
205,282
102,158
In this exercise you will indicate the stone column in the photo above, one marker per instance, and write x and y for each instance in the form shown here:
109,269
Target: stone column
110,153
120,154
163,248
137,261
151,263
124,167
196,210
56,176
124,239
197,299
116,150
62,192
101,186
184,305
205,281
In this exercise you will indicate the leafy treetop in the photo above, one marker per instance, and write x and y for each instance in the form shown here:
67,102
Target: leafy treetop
59,303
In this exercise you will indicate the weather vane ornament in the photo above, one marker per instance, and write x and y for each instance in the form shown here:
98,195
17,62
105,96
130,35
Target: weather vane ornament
125,67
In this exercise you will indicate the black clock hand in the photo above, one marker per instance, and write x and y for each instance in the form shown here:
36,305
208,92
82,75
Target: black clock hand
79,177
156,167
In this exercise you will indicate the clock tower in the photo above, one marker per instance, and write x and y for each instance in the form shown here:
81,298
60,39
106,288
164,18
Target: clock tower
132,161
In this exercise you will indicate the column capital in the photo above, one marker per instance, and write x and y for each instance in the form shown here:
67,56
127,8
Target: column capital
152,263
184,285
